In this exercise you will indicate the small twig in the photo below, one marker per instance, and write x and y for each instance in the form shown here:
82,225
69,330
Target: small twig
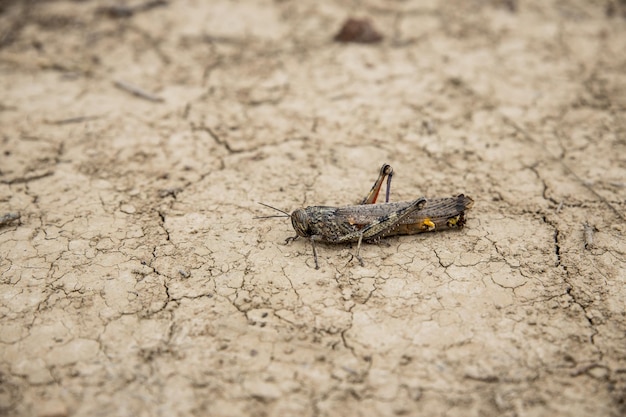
8,218
137,91
78,119
121,11
24,180
559,207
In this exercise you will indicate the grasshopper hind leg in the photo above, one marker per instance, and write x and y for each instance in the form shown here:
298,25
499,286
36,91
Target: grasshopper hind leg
380,226
385,171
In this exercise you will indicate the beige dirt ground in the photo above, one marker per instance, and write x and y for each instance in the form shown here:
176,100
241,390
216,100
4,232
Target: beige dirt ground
138,283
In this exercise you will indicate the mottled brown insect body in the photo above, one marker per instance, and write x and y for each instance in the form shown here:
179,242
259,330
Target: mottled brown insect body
370,222
332,224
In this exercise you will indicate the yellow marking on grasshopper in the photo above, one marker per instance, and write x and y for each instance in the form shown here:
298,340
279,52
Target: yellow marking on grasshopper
427,224
452,221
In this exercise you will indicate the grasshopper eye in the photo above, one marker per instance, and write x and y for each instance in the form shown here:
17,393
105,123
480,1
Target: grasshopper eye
300,223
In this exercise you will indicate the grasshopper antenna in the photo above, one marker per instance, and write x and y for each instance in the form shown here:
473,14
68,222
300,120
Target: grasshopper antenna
285,214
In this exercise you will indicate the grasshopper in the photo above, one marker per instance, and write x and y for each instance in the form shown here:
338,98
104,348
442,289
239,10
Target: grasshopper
371,222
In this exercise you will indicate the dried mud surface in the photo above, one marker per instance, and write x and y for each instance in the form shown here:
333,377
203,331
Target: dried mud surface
138,283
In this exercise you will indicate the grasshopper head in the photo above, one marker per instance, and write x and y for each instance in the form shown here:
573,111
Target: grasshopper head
300,223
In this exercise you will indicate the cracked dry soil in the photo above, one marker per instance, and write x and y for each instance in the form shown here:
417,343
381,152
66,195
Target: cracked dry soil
135,147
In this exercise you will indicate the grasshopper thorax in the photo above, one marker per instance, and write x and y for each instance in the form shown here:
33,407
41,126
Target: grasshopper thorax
300,223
